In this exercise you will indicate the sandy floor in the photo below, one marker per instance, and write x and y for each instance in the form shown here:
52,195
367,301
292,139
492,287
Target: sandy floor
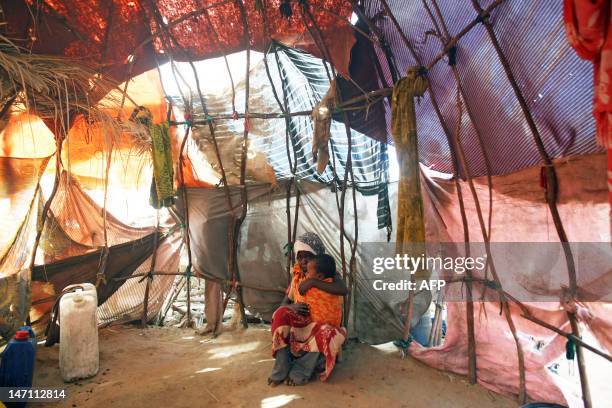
175,368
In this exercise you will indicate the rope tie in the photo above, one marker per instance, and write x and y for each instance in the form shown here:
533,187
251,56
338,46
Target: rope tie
548,179
188,120
402,344
483,17
148,275
101,274
452,56
570,349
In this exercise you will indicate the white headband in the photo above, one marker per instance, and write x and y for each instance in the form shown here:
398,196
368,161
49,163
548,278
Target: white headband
300,246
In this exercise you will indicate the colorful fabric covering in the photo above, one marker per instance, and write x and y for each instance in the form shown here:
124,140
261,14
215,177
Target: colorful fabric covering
589,32
302,335
162,192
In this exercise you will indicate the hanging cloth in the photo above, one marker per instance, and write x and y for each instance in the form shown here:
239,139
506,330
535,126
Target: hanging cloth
410,217
162,186
589,32
321,119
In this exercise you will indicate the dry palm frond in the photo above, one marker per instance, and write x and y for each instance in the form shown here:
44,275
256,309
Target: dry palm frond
57,89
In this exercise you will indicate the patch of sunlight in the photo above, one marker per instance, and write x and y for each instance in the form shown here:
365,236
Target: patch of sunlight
5,205
263,361
386,347
207,370
278,400
228,351
188,338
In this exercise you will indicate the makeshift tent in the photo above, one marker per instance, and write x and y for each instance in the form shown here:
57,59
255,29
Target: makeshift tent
486,102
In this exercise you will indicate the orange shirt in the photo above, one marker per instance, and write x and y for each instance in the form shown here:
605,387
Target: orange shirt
324,307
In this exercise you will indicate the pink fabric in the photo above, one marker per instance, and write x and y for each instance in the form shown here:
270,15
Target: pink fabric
583,205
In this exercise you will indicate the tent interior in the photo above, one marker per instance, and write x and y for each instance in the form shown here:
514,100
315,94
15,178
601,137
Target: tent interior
170,152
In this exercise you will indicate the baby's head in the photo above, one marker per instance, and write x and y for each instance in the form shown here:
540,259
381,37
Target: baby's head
321,267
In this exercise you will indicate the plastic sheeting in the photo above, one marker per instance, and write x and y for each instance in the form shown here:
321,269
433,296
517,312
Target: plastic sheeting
261,258
302,77
377,315
18,216
76,229
556,84
519,196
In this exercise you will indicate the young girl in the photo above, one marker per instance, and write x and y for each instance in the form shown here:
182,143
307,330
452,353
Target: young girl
324,307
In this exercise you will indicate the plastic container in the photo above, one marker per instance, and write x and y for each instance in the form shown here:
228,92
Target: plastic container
79,353
17,365
32,335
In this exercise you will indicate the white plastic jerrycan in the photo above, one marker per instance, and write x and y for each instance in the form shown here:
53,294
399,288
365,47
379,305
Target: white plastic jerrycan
79,353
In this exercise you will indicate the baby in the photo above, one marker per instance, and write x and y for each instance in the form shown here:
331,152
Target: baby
324,307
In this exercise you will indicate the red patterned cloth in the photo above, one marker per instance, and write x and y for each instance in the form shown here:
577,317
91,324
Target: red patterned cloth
290,329
589,32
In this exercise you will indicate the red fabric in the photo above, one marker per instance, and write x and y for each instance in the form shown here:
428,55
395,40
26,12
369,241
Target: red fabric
610,185
108,32
303,336
589,32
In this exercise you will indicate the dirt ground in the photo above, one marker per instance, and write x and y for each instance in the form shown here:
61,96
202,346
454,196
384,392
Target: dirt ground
177,368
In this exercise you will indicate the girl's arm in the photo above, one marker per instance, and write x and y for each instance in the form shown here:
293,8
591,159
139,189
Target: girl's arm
337,287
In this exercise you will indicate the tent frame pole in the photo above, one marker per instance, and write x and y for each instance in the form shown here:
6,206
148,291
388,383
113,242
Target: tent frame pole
47,207
551,191
320,42
149,276
230,238
462,161
243,161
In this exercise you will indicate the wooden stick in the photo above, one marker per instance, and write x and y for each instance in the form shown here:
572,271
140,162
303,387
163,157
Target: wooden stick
179,20
569,336
584,380
283,106
320,42
279,115
149,276
243,161
551,189
469,302
462,160
230,240
187,231
527,315
176,291
47,206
